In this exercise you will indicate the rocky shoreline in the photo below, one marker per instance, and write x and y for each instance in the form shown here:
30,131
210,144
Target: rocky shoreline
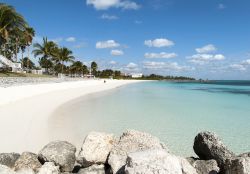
133,152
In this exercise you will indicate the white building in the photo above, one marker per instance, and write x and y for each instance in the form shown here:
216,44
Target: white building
136,75
16,67
39,72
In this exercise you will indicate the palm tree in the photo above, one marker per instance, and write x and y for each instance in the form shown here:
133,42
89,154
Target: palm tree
22,46
85,69
77,67
45,63
9,20
28,64
46,51
29,33
63,55
15,38
94,68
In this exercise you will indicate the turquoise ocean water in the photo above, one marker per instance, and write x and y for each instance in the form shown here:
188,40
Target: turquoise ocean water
174,112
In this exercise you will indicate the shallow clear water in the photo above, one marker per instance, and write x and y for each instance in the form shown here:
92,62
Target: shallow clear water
174,112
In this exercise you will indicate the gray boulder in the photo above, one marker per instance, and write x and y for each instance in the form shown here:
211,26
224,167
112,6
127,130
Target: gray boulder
95,148
27,160
61,153
9,159
6,170
131,141
244,154
208,145
205,166
94,169
157,161
49,168
239,165
186,167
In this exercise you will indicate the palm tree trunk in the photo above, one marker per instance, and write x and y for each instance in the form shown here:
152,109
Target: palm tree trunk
28,61
28,52
62,67
22,60
4,49
16,51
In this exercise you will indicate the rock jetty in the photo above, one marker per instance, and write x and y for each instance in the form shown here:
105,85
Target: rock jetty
133,152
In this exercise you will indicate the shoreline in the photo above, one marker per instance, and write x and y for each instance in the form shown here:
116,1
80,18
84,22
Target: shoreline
25,110
21,91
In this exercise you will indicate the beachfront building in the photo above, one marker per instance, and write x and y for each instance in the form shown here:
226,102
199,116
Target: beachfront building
137,75
15,67
89,76
38,72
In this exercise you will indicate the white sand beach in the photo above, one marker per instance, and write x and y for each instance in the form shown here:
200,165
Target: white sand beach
24,110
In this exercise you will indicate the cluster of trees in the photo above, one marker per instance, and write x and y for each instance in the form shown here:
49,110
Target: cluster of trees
159,77
15,33
53,58
16,36
107,73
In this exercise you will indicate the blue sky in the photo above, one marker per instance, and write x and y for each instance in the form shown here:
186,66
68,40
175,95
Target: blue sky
199,38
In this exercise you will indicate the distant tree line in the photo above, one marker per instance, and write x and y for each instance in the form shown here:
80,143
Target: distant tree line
160,77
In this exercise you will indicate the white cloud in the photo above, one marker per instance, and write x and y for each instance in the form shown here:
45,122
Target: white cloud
238,67
102,4
131,65
221,6
206,49
71,39
116,52
106,4
128,5
167,66
242,66
112,62
161,42
162,55
205,58
107,44
246,62
218,57
109,17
